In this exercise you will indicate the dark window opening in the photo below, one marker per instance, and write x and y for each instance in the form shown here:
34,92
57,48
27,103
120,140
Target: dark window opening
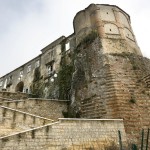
19,87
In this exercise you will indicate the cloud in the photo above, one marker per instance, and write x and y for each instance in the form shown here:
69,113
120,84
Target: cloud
29,25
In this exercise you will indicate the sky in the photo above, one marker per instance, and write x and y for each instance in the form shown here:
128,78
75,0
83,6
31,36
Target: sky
27,26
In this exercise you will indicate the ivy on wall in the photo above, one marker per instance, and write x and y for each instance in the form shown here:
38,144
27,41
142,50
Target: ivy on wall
65,78
88,39
37,74
37,85
65,74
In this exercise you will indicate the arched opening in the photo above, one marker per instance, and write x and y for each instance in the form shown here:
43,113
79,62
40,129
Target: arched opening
111,29
19,87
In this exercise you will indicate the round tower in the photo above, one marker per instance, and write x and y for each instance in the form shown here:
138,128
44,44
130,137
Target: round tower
111,23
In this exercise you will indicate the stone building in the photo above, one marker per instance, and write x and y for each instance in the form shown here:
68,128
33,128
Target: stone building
99,68
109,22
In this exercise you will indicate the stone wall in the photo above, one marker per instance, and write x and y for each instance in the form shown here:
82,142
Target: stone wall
112,24
52,109
76,134
25,74
13,95
91,83
112,86
132,99
12,118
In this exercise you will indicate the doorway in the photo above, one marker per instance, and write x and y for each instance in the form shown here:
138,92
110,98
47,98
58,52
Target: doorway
19,87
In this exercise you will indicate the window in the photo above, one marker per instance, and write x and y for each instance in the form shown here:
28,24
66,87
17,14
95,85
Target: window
25,90
67,46
50,69
10,77
20,75
29,68
5,84
21,72
9,83
52,54
1,83
37,64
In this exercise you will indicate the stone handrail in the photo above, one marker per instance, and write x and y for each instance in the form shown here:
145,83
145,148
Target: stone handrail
26,113
29,130
45,99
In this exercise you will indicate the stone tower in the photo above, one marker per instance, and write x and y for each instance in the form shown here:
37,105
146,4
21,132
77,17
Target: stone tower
113,26
111,76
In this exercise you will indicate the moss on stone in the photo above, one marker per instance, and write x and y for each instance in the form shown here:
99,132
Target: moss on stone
87,40
132,100
133,58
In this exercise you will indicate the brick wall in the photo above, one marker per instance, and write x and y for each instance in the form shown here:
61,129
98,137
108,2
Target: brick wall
77,134
132,93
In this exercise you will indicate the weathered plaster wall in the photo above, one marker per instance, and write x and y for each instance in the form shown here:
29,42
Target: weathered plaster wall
68,134
53,54
27,77
50,53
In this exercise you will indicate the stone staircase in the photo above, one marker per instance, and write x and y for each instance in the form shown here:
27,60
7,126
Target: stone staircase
48,108
22,113
7,130
34,124
68,134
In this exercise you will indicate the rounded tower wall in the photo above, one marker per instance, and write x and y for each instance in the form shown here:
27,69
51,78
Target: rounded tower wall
82,23
113,26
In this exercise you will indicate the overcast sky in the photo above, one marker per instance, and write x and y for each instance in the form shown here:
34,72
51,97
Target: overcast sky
27,26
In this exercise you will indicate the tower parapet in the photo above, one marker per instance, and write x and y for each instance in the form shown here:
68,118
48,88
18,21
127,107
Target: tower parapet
113,26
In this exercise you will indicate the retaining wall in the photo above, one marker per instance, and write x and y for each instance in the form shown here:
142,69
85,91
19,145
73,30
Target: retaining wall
13,95
42,107
68,134
12,118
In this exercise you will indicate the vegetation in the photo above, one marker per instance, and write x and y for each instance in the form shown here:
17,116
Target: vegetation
37,74
65,73
37,88
37,85
64,81
131,58
87,40
133,100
